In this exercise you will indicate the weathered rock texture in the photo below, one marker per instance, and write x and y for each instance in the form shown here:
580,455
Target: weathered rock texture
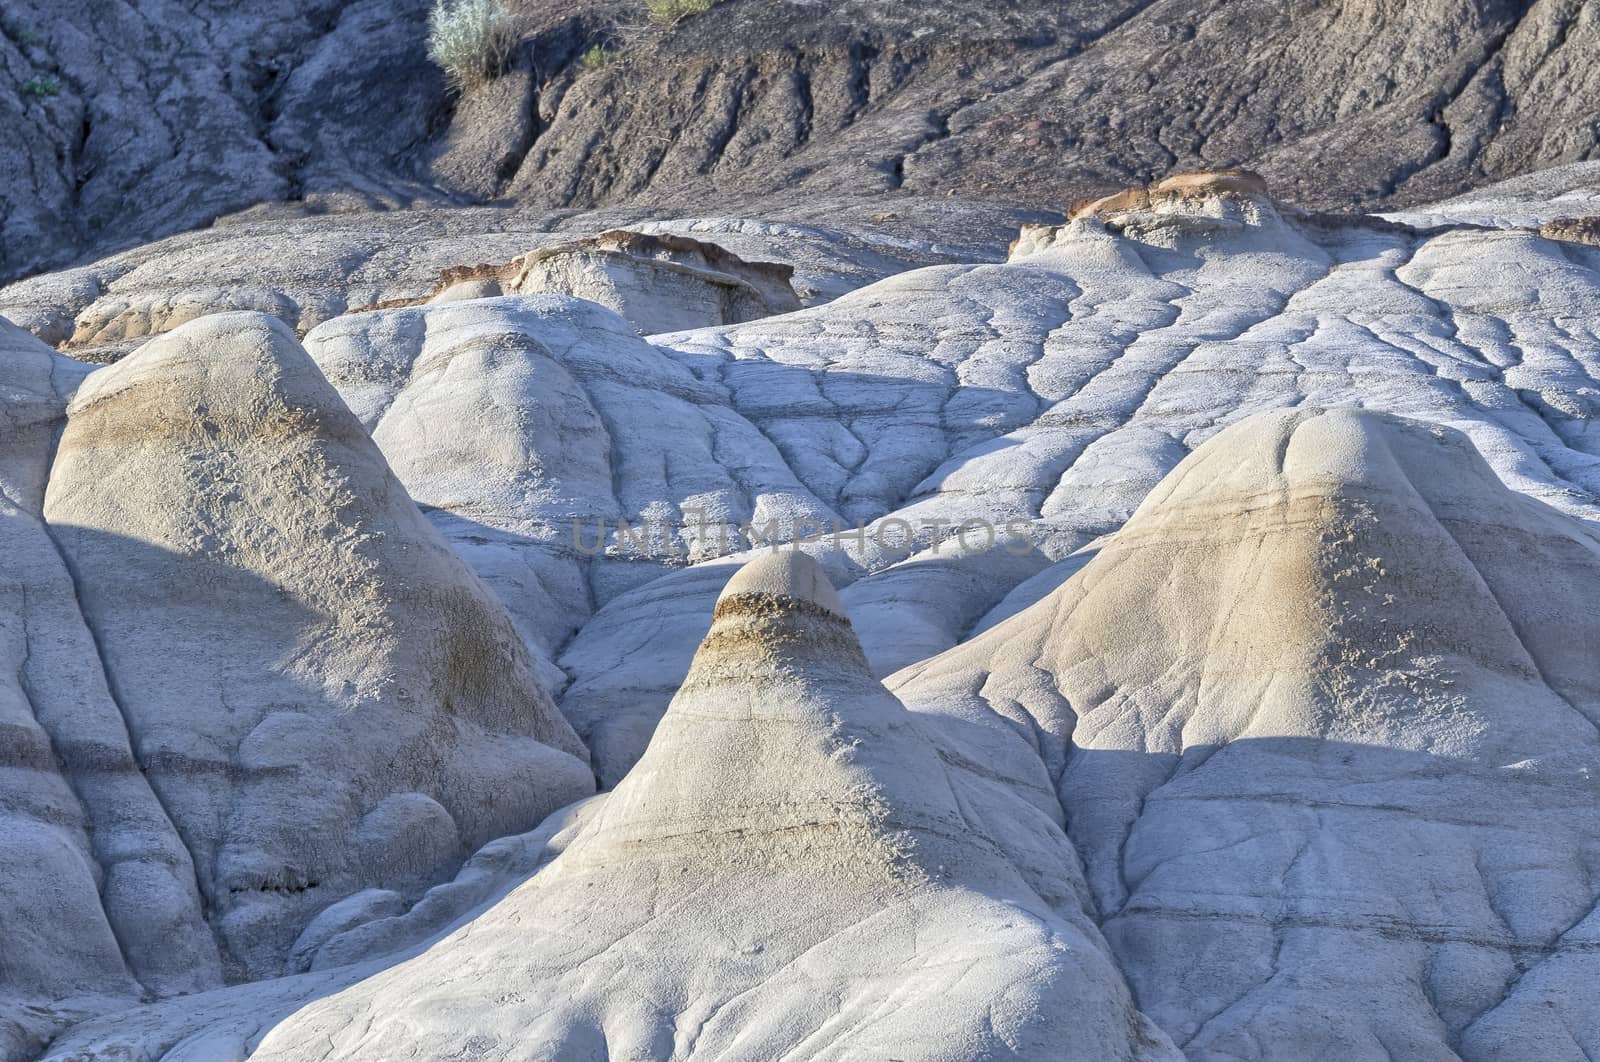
322,695
792,869
165,117
1325,721
1576,230
98,901
529,427
1058,388
1321,719
1541,197
660,283
305,271
136,118
1318,711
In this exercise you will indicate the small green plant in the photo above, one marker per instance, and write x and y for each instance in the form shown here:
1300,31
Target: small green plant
671,12
471,40
28,38
41,88
597,57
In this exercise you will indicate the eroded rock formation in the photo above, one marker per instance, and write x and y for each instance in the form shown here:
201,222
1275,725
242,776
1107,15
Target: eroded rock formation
659,283
793,832
322,695
785,108
306,271
1324,716
98,898
1274,734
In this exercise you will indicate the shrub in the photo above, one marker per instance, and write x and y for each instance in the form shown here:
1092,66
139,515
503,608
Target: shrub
470,40
41,88
597,57
668,12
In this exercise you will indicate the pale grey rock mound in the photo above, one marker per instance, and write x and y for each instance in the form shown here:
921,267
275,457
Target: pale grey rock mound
98,902
1059,387
323,696
350,941
308,270
792,830
659,283
1325,725
529,427
377,924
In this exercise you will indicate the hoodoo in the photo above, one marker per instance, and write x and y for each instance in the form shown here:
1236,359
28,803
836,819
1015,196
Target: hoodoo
1324,712
323,696
787,870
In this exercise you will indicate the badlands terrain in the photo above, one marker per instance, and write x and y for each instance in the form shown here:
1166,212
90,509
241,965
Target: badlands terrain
932,559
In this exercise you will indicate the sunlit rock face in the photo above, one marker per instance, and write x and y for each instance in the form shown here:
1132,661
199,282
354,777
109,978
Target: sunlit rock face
668,272
1323,716
660,283
321,694
1189,630
98,894
1058,388
792,830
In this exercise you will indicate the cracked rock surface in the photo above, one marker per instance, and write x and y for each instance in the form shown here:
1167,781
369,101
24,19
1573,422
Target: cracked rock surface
1056,389
1267,728
275,684
867,895
99,889
1324,721
307,270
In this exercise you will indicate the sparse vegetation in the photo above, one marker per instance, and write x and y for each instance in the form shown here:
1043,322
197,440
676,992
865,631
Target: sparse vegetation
41,88
597,57
669,12
471,40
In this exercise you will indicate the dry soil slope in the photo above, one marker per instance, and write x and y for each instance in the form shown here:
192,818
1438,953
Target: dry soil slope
132,119
167,116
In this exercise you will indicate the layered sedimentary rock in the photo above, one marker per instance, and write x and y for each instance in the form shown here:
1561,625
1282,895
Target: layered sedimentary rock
1573,230
1343,104
334,106
659,283
1058,388
98,902
322,695
1170,191
570,462
307,270
530,427
1323,716
790,869
1298,714
1321,719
